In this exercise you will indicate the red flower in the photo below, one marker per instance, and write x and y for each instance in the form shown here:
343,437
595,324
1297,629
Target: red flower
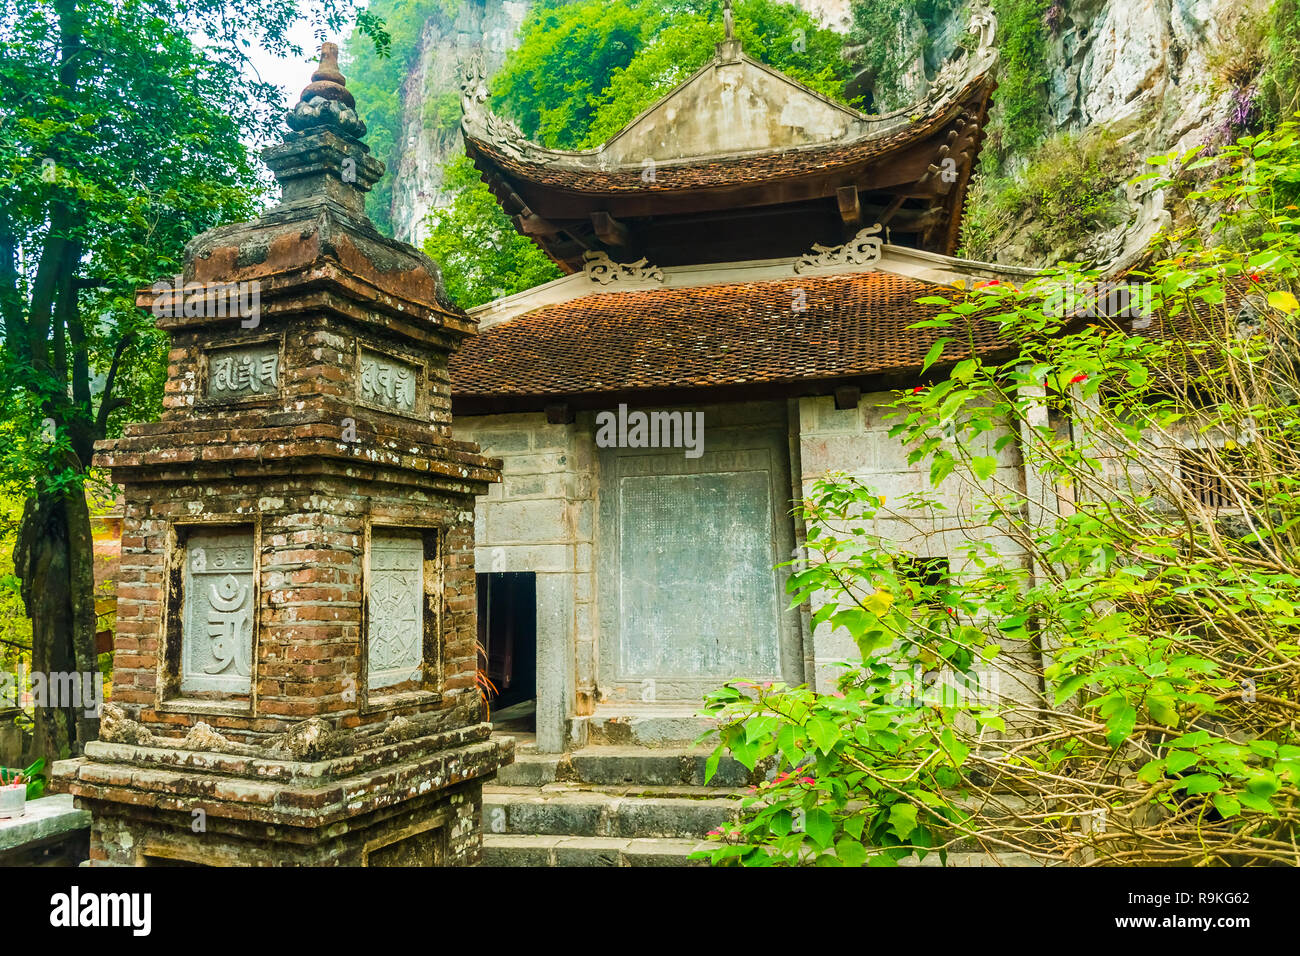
918,389
1078,378
985,285
808,780
1254,277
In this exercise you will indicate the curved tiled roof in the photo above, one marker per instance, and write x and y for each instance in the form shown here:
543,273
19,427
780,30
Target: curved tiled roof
786,330
730,171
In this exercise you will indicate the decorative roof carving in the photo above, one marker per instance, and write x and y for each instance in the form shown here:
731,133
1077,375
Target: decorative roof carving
479,121
862,250
600,268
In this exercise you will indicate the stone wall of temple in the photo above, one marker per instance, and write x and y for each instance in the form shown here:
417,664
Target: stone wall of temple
540,519
856,441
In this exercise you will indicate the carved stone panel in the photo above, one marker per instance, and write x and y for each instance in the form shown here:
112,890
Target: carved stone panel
388,382
217,623
395,628
695,576
244,371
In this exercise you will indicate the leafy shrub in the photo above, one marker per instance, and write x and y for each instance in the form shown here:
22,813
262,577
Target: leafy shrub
1129,626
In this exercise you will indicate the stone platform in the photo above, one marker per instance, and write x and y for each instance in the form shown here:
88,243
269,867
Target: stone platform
403,798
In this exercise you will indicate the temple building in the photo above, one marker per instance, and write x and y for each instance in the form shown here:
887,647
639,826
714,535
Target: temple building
743,266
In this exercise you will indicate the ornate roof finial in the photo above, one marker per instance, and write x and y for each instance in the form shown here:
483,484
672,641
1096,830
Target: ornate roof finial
326,101
729,48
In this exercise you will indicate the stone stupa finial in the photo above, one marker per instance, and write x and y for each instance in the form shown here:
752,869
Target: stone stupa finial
326,100
323,158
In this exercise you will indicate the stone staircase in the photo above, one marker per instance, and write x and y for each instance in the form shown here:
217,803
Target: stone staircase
606,805
619,805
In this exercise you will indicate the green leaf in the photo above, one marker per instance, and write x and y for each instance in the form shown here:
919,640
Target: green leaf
711,765
1121,724
984,466
824,733
936,350
1226,805
819,826
1180,760
1202,783
851,852
902,820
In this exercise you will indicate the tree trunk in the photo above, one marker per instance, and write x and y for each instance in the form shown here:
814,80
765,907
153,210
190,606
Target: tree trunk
54,558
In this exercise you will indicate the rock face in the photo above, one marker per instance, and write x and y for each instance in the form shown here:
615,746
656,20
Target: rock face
1113,60
488,26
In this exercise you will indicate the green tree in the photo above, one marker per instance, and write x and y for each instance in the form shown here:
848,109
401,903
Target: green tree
121,139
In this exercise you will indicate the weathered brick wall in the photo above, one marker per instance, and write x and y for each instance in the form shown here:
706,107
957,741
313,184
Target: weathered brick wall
309,648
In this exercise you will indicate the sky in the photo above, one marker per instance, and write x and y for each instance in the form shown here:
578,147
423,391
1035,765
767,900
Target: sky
291,74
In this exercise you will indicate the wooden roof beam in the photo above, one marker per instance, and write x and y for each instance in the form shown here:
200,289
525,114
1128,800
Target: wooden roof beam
608,229
850,206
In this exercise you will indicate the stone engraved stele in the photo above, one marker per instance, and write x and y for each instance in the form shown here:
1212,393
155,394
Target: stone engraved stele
395,628
387,382
697,593
237,372
217,626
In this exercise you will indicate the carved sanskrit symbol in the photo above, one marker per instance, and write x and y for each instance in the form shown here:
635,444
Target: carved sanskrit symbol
226,625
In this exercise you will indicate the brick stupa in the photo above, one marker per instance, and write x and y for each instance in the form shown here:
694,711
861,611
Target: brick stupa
294,680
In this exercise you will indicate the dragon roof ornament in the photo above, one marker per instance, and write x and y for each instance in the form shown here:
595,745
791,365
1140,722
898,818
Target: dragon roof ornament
479,120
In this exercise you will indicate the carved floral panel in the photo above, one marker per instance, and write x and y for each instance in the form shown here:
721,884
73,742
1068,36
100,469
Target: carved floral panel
217,622
395,626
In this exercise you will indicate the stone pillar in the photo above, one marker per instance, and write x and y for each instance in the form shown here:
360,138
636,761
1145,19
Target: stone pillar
294,681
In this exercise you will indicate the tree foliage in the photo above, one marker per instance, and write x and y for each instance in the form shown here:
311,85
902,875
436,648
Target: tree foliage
1109,673
481,255
121,139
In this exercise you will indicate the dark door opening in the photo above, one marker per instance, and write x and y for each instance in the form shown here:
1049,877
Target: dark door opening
507,636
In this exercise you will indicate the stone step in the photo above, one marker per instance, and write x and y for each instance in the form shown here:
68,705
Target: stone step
635,766
631,813
511,849
650,725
